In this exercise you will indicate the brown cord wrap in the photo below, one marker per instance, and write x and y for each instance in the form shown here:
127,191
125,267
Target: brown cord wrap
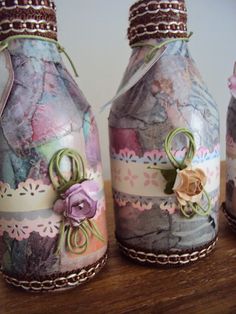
152,19
167,258
58,281
28,17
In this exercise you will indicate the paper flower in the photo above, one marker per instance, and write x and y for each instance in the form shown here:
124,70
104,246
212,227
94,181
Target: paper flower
189,185
78,203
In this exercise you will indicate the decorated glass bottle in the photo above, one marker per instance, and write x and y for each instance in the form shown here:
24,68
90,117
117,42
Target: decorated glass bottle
230,205
52,209
164,143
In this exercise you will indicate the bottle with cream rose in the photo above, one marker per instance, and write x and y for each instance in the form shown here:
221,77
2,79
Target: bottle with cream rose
230,205
52,209
164,144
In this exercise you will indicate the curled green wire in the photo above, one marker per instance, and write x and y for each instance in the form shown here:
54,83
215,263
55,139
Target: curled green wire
59,181
76,238
78,244
191,152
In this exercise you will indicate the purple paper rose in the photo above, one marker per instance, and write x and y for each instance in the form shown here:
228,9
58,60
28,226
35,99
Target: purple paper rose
78,203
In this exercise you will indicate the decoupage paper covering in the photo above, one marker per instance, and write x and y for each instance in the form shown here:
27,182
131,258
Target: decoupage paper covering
171,95
46,112
6,78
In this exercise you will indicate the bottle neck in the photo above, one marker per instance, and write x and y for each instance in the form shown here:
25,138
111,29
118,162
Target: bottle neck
174,46
34,48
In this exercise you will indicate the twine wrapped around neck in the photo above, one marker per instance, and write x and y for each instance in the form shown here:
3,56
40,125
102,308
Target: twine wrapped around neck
5,43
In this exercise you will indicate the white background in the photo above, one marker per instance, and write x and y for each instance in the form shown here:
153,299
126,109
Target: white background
94,34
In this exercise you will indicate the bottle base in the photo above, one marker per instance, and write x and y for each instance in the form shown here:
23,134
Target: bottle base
230,218
60,282
168,258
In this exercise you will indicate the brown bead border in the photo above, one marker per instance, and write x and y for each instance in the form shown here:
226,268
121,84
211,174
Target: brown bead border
154,7
69,280
167,259
159,30
159,4
151,19
28,19
26,4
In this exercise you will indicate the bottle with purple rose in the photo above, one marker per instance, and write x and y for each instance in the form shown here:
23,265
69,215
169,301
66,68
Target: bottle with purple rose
164,143
230,205
52,209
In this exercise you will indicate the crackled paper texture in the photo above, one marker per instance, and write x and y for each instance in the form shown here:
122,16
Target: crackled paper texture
231,159
171,95
45,113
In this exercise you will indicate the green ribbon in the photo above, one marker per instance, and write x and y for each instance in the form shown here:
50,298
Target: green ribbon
154,48
76,238
171,174
5,43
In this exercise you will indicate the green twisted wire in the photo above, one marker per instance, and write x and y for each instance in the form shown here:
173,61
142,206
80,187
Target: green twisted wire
59,181
68,234
190,152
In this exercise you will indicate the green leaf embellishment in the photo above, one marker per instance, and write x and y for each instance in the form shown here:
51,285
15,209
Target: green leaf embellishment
75,202
170,176
187,183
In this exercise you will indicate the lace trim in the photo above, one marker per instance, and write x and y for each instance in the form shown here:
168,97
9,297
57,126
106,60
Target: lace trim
46,227
159,156
33,195
167,204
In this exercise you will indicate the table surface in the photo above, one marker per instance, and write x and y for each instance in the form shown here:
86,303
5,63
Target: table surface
208,286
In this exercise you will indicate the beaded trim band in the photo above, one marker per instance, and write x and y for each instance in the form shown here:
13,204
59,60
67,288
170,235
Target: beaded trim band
25,17
157,19
26,4
69,281
167,259
231,220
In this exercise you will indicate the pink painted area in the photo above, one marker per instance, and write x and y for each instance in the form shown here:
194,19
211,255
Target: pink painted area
130,177
121,139
151,179
45,124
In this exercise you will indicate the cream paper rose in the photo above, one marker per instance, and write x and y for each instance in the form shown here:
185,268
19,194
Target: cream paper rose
189,185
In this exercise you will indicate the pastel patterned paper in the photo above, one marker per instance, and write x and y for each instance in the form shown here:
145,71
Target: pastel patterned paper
171,95
231,151
45,112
